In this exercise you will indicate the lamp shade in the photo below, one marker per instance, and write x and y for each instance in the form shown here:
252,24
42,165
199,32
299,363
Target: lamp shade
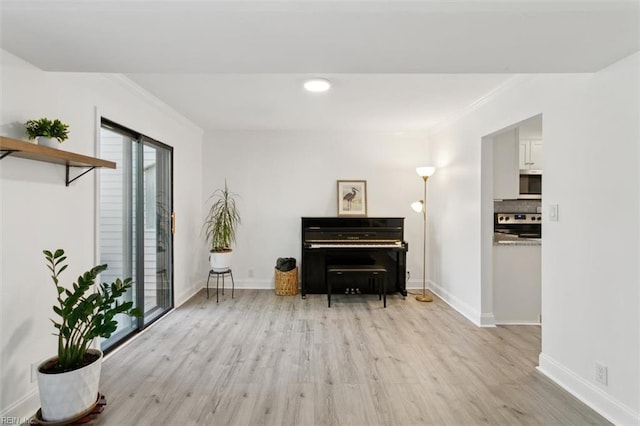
417,206
425,171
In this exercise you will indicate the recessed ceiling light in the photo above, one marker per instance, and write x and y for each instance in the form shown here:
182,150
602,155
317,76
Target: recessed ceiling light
317,85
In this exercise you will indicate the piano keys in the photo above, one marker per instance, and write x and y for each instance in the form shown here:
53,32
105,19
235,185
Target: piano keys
353,245
352,241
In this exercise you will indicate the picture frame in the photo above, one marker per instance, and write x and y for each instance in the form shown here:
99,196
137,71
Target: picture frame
352,198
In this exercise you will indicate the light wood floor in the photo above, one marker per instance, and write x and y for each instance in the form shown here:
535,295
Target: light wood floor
280,360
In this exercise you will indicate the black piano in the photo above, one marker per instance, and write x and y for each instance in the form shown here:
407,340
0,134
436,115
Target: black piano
353,241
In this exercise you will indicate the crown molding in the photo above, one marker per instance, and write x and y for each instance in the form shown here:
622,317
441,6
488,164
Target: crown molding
509,84
150,99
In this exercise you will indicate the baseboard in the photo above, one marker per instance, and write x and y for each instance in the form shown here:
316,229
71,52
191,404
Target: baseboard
463,308
22,410
187,294
256,284
487,320
243,284
516,322
587,392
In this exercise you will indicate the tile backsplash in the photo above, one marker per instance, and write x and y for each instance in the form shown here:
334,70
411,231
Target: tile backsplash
516,206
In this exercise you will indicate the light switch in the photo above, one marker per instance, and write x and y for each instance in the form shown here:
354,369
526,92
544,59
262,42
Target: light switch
553,212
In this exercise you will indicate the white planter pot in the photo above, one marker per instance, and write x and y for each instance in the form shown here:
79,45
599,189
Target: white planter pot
64,396
220,260
49,142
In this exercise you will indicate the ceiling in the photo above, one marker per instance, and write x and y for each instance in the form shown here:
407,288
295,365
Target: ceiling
396,65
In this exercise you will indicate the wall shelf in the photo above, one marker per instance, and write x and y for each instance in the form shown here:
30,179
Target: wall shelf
31,151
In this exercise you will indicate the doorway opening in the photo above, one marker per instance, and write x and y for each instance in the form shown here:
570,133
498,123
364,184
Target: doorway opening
511,225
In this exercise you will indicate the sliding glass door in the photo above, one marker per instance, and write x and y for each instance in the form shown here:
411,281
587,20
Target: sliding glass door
156,237
136,223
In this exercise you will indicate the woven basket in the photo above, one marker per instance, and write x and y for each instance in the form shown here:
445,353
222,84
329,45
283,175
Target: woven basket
287,282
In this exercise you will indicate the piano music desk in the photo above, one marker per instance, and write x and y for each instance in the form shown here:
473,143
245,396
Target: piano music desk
372,272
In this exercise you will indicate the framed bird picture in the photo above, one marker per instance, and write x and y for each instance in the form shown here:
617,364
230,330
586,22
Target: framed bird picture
352,198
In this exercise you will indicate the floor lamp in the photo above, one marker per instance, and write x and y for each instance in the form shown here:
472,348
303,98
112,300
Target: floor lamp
421,206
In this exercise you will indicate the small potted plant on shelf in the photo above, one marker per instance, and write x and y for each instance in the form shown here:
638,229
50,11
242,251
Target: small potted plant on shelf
68,382
49,133
220,228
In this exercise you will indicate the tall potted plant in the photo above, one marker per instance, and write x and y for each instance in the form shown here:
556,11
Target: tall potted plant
220,227
68,382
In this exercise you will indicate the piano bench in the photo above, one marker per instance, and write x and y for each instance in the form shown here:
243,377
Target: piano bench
372,272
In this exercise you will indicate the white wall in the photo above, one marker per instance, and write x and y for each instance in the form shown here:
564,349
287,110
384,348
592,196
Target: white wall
590,258
590,276
38,212
282,176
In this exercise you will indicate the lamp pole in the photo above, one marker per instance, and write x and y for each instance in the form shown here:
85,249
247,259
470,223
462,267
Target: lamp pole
424,172
424,297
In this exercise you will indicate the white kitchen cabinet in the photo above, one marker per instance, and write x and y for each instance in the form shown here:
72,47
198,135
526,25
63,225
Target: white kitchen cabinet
505,165
530,154
517,291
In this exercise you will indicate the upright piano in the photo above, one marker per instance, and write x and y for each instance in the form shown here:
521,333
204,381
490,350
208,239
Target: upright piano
353,241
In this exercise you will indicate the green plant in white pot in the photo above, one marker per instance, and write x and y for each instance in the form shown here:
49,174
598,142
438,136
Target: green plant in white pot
49,133
68,382
220,227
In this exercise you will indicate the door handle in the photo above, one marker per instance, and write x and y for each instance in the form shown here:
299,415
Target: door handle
173,223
